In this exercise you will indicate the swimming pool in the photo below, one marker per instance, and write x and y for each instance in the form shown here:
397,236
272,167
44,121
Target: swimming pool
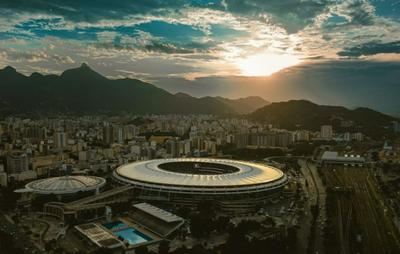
132,236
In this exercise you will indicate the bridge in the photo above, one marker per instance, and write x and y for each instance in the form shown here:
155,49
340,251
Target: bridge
88,206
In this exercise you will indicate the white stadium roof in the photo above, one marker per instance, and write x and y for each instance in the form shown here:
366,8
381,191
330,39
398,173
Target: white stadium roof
246,175
65,184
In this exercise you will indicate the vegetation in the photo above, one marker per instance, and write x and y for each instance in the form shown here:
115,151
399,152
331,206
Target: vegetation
302,114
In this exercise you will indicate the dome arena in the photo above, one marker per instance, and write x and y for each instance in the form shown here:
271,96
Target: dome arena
188,180
64,185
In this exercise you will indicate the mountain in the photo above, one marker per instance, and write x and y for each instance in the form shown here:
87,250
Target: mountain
83,90
244,105
302,114
241,105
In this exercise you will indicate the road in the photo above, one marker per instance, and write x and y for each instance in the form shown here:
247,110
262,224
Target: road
316,196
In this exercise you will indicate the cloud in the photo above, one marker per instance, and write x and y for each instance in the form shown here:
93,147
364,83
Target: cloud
293,15
63,59
358,12
90,10
371,48
22,56
34,57
203,37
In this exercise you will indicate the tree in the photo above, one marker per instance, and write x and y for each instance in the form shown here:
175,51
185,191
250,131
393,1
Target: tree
163,247
103,250
141,250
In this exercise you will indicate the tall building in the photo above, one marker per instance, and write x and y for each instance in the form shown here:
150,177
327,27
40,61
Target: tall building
35,133
326,132
172,147
17,163
284,139
358,136
60,140
347,136
302,135
265,139
120,134
396,127
3,176
108,134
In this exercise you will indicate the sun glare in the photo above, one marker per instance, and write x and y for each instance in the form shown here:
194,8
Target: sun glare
265,64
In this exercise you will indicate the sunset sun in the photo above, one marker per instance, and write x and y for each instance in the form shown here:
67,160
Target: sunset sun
265,64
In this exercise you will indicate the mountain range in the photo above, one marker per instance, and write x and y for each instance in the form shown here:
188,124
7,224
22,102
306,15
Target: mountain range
303,114
83,90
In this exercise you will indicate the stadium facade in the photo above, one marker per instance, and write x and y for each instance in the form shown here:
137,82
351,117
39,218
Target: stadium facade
232,185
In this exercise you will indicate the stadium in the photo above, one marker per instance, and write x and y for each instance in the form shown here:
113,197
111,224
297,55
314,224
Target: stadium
230,184
66,185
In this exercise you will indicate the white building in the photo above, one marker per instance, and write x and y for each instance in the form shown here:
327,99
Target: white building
326,132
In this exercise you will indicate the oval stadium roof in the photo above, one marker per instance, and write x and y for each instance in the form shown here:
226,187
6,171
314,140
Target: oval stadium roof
247,174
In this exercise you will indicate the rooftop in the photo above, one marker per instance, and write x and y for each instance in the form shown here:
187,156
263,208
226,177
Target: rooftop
158,213
65,184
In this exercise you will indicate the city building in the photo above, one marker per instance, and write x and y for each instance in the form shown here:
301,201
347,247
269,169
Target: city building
3,176
108,134
60,140
396,127
17,163
326,132
331,157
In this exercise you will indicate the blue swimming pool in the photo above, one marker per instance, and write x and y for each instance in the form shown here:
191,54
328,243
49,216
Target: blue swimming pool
132,236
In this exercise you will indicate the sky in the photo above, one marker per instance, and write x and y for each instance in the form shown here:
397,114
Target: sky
328,51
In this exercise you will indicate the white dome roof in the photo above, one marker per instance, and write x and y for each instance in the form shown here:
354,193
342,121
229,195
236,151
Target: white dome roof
65,184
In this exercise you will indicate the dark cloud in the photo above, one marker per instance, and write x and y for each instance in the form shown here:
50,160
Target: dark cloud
90,10
371,48
292,14
360,12
170,48
161,46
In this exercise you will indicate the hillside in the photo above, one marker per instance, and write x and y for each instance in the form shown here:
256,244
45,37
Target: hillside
241,105
302,114
82,90
244,105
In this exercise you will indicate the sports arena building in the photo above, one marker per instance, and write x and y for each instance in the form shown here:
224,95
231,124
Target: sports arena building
66,185
232,185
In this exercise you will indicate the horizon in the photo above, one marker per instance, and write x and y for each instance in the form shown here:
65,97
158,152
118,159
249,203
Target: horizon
84,65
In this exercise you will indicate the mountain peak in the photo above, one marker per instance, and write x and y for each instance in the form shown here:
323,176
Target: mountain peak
83,71
10,72
9,69
84,65
36,75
